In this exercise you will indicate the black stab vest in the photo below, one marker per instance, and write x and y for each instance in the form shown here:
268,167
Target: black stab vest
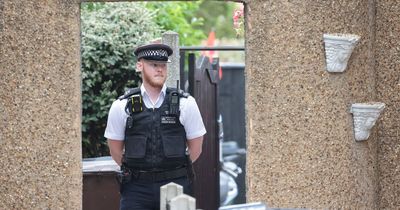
155,139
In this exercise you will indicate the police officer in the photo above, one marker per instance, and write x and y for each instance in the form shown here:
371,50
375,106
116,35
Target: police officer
154,133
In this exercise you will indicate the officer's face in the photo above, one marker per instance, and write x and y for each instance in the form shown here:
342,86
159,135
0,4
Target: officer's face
154,73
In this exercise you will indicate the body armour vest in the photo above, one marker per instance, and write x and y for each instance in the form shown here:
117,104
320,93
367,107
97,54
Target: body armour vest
154,138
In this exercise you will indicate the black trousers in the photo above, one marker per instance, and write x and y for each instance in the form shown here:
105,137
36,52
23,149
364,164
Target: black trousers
145,195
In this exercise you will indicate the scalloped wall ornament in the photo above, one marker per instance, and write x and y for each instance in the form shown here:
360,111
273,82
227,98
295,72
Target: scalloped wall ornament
338,49
365,116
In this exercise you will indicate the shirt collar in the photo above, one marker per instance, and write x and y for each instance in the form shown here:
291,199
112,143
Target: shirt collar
143,90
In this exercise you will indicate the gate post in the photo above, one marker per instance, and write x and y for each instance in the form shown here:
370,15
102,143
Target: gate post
167,192
182,202
171,39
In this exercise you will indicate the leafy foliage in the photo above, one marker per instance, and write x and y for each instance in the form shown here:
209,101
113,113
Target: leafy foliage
181,18
217,17
90,7
110,32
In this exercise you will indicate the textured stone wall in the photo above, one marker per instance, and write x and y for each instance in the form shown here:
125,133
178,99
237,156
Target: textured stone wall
40,106
301,147
387,50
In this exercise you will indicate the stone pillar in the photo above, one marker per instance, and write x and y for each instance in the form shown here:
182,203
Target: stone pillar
387,52
171,39
301,146
40,106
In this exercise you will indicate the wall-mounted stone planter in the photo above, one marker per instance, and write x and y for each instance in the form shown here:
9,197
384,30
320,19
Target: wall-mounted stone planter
364,117
338,49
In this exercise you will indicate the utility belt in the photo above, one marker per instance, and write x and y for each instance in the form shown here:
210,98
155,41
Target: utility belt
126,175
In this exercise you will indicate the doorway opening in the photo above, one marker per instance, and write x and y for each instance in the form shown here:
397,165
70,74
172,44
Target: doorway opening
108,65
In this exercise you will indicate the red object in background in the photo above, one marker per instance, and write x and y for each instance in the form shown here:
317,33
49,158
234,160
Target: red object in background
210,43
210,53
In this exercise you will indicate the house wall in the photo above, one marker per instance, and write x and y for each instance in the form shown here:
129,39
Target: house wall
40,105
387,51
301,146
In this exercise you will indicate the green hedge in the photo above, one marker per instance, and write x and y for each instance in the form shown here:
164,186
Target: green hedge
110,32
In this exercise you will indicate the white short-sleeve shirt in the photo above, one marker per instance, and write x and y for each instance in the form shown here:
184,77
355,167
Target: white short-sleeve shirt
190,116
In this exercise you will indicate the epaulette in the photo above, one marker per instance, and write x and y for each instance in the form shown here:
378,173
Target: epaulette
129,93
181,92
